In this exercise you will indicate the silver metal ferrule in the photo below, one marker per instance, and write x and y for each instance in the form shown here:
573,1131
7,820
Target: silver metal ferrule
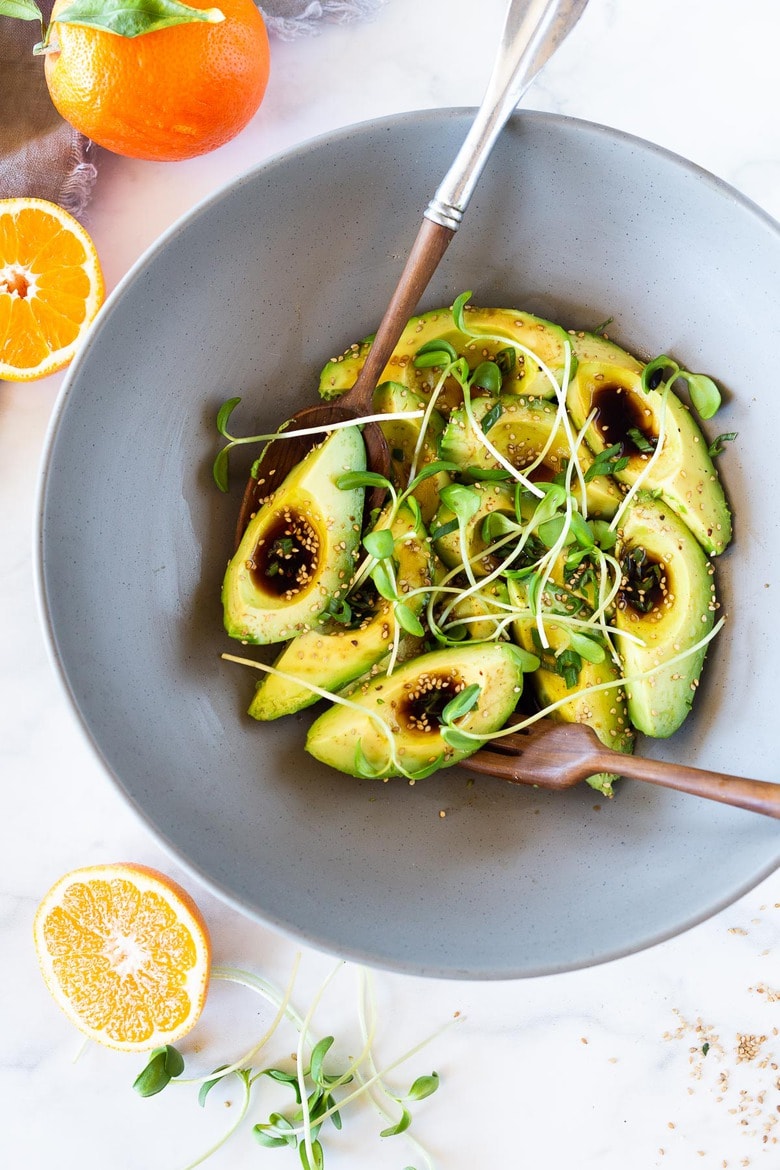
443,213
533,29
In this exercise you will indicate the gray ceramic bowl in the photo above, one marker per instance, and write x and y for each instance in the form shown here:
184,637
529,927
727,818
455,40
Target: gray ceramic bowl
248,296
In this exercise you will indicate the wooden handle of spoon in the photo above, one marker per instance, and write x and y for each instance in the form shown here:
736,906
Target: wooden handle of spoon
428,248
755,795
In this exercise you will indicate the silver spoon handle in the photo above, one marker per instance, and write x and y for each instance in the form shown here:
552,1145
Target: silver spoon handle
533,30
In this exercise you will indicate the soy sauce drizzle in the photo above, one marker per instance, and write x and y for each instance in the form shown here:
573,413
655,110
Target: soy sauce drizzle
286,560
421,707
622,418
645,585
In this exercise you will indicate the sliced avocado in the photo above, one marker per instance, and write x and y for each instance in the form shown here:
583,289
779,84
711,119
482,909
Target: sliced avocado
299,549
493,497
405,709
340,373
595,347
522,429
566,675
530,337
631,418
476,616
579,580
335,654
668,601
403,440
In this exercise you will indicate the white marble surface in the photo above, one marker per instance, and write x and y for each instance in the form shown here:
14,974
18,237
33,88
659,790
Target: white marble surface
600,1069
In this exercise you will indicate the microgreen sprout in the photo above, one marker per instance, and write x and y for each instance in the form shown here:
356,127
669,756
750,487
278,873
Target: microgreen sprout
220,467
705,395
163,1065
530,555
322,1092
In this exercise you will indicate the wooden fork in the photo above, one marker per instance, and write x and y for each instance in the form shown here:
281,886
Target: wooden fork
559,755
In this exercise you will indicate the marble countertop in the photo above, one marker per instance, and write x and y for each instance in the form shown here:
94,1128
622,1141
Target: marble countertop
667,1058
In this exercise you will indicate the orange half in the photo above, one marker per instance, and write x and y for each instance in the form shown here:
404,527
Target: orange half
51,287
126,954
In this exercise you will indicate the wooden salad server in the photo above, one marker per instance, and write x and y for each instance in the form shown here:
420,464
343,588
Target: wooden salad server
559,755
533,30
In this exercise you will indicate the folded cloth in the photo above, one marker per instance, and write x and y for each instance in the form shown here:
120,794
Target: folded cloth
291,18
43,157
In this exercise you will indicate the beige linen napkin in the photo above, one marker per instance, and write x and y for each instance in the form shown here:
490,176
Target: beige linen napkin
291,18
42,156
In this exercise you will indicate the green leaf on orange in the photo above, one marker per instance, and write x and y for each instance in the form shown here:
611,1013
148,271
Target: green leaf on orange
133,18
21,9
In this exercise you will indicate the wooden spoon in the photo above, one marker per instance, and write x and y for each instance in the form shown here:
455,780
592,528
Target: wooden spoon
559,755
533,30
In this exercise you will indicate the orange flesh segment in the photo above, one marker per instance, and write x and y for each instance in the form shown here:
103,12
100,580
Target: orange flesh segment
51,287
125,955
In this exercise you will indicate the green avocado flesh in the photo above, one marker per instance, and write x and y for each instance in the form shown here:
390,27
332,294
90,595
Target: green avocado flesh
668,601
408,444
681,471
567,681
298,551
393,725
526,432
547,510
336,654
540,344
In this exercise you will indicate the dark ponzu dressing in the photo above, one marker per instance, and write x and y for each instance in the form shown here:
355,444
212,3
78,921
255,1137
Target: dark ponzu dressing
645,584
422,705
286,560
621,418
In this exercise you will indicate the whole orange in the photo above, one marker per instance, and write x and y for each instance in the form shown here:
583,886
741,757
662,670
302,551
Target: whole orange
170,94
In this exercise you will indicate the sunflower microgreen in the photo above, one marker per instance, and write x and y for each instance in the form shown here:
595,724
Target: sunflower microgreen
163,1065
408,620
322,1096
463,702
458,740
458,314
357,479
435,354
705,395
487,376
587,648
379,543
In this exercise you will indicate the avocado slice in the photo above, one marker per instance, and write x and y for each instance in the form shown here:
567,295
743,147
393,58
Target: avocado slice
595,347
579,581
477,614
668,600
299,549
521,430
334,654
493,497
405,709
403,438
495,329
564,679
683,472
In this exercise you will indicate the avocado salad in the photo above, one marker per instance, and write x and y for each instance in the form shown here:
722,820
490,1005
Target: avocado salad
545,547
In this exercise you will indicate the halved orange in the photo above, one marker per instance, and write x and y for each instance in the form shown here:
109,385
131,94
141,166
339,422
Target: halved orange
126,954
51,287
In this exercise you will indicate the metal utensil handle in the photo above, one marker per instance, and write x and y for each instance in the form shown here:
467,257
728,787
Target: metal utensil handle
533,30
